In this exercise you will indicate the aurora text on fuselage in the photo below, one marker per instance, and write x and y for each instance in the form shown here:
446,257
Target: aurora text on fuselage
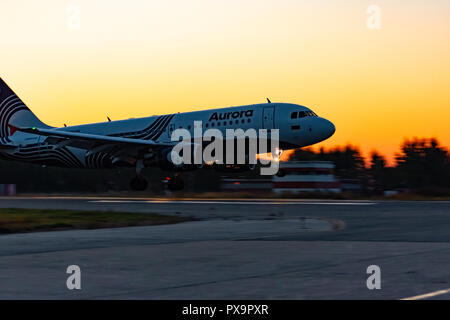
231,115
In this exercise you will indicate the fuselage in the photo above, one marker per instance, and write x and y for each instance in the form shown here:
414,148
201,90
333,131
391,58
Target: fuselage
298,127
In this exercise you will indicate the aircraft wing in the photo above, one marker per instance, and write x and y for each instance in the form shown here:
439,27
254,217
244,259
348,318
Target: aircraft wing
93,141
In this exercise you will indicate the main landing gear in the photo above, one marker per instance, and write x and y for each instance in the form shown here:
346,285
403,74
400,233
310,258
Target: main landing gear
139,183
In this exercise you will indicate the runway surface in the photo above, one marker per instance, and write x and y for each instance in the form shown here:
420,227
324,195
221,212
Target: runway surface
240,249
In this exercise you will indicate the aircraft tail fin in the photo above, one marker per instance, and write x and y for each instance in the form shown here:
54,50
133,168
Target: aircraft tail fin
14,113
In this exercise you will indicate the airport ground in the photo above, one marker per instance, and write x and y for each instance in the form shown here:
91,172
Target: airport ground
236,249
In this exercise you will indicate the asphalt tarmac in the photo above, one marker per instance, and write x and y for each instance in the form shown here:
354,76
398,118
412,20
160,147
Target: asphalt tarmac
240,249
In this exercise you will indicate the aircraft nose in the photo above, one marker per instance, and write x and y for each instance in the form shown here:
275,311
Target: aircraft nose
328,128
331,128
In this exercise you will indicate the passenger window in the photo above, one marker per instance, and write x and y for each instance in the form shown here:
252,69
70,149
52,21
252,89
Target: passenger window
212,124
294,115
295,127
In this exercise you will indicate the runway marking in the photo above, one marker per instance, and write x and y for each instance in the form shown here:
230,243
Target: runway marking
234,202
428,295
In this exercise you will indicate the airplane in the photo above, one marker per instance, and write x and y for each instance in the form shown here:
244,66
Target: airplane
144,142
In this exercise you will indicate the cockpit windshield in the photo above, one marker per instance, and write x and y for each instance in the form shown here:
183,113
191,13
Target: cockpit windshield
302,114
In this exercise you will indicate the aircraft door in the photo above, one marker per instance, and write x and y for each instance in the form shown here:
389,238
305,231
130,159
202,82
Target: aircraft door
268,118
171,129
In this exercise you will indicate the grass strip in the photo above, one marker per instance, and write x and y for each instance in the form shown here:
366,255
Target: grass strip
34,220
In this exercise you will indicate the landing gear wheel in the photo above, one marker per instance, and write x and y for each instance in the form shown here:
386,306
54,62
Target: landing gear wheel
175,184
138,184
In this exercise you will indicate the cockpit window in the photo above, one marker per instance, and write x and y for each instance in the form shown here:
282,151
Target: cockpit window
311,114
302,114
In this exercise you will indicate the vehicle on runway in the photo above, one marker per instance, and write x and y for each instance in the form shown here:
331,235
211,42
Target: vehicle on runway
145,142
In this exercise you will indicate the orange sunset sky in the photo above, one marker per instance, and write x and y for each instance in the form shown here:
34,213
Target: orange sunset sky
138,58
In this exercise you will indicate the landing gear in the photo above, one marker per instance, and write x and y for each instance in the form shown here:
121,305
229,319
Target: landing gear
175,184
139,183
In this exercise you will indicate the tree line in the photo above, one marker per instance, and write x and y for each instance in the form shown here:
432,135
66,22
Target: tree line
422,165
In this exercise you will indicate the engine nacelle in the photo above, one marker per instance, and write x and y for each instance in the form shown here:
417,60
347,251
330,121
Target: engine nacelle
174,161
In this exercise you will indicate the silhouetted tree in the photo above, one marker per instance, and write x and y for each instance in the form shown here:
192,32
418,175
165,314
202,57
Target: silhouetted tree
378,171
423,163
305,154
348,161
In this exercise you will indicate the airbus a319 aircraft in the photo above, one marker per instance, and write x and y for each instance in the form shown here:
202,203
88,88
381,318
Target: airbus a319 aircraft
144,142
